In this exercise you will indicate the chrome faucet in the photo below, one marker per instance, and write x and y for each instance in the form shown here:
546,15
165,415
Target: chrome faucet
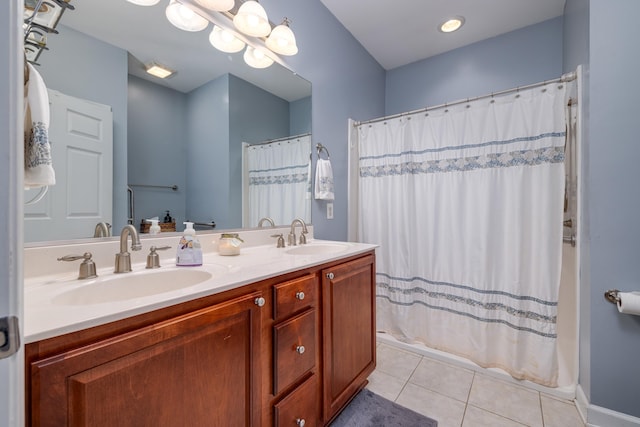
102,230
267,219
292,234
123,259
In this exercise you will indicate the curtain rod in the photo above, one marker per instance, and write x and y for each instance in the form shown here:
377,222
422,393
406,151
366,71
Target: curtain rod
563,79
269,141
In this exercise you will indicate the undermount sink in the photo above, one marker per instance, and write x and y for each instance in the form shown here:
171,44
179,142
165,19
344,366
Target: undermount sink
122,287
318,249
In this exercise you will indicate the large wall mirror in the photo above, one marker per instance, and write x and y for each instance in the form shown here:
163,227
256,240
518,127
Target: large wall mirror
194,144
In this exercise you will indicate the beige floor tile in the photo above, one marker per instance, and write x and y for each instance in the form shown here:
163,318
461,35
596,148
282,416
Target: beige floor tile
443,378
385,385
476,417
447,411
505,399
558,413
396,362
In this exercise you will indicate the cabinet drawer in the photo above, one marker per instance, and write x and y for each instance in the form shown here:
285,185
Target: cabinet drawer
300,407
294,295
294,345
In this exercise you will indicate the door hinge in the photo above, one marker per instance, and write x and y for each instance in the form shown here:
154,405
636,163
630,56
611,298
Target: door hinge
9,336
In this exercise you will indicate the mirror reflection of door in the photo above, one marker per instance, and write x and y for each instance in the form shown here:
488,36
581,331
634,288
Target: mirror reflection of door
81,135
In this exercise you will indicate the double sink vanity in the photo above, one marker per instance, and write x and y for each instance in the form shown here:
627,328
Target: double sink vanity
273,336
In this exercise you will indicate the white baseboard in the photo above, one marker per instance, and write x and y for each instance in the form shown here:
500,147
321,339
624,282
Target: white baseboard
597,416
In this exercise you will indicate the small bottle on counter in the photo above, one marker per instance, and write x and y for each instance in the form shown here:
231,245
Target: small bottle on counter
154,228
229,244
189,252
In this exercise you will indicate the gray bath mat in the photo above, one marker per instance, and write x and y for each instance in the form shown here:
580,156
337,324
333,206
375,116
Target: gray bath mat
368,409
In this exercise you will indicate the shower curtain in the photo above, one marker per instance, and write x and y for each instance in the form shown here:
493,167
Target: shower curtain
466,203
277,181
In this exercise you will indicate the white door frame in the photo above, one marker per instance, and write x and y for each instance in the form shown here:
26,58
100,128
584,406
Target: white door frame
11,208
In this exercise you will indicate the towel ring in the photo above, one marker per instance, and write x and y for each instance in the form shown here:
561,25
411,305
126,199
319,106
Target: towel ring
322,148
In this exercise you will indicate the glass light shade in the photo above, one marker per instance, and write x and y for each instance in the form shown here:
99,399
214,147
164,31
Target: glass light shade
282,41
256,58
225,41
217,5
184,18
144,2
252,20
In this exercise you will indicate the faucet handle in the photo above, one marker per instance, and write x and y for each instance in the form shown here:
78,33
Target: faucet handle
153,259
280,243
303,237
87,267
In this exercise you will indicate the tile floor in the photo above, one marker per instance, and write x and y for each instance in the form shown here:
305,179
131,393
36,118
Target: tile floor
458,397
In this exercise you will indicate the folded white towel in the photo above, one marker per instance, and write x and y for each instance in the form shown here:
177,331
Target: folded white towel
324,180
38,166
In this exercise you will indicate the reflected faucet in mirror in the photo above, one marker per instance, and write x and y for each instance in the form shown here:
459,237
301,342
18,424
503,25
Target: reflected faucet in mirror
102,229
266,219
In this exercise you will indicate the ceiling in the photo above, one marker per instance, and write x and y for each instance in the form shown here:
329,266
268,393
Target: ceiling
394,36
404,31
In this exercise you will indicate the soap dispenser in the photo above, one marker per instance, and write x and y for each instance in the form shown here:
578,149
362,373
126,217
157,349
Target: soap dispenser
189,250
155,228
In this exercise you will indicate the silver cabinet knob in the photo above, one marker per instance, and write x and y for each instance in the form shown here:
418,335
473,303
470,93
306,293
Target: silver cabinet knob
260,301
330,276
300,422
300,349
300,295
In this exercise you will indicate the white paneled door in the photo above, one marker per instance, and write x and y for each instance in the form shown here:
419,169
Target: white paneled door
81,134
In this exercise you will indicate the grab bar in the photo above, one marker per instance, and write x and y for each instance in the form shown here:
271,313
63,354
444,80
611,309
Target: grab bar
171,187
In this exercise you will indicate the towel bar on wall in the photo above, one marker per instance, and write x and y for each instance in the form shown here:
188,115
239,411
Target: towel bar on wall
322,148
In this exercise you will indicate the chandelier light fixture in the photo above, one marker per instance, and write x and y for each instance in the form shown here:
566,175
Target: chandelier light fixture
233,29
184,17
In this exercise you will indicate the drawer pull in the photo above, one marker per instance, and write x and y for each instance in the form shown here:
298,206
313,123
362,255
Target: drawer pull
260,301
300,295
300,349
300,422
330,276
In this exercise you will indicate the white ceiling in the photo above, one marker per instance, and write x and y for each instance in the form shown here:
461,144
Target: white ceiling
394,33
404,31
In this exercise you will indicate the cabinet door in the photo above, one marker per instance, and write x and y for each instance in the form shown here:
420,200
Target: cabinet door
201,368
349,330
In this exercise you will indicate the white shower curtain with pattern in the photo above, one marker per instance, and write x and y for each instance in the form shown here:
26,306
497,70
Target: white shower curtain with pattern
466,203
278,181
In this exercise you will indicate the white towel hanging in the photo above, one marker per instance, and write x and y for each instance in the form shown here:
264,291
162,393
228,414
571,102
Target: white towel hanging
38,165
324,180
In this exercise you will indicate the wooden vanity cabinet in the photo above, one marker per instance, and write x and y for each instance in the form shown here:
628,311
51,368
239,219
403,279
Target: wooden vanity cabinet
349,337
292,350
177,372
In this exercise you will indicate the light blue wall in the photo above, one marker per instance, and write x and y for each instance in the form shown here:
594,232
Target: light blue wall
87,68
300,116
614,202
208,152
255,116
347,82
157,149
521,57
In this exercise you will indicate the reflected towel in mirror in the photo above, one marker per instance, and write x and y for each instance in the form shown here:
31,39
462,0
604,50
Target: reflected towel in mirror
38,165
324,180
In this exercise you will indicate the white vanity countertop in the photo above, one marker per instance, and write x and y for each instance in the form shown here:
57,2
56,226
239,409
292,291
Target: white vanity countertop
48,312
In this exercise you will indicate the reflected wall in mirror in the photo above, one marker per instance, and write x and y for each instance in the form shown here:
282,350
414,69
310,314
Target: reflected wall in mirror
187,131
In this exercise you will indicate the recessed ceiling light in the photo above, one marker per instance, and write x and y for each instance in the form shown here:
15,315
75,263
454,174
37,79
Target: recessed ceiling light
451,24
159,71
